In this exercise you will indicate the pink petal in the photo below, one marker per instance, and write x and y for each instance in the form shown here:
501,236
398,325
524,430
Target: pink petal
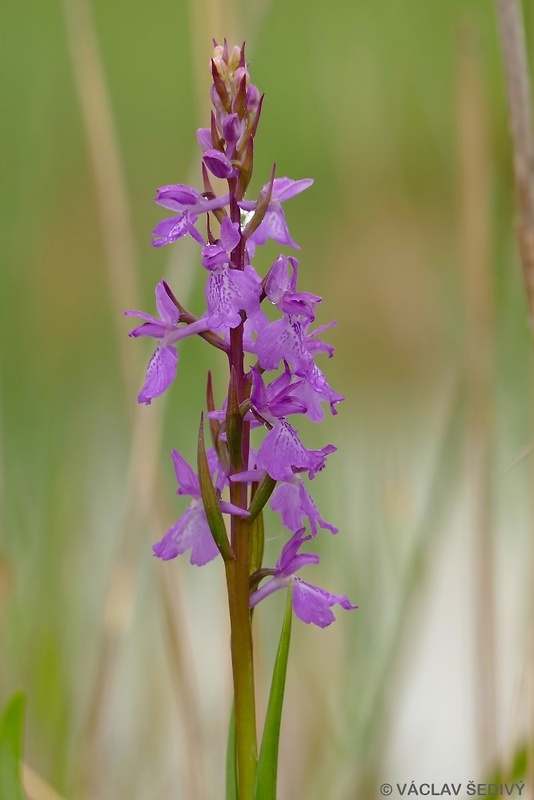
161,372
312,604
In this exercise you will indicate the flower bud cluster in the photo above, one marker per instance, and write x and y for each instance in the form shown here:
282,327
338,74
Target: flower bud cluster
234,322
228,143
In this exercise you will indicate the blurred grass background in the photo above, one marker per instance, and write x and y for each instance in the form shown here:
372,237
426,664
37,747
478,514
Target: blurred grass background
397,110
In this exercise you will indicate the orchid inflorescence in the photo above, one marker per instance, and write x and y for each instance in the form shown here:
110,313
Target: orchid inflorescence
235,323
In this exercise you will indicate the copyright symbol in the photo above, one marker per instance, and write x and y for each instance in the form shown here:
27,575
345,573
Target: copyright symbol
386,788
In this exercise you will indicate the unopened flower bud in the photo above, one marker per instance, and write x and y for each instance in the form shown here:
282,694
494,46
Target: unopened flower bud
219,165
235,58
253,97
219,85
231,129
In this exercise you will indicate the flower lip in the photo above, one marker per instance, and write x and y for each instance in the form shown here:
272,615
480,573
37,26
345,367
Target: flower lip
310,603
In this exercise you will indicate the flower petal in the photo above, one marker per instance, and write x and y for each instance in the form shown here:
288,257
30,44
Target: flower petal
294,503
273,226
230,236
170,229
219,164
312,604
314,390
283,339
167,310
191,532
286,188
160,373
282,453
229,291
186,477
176,196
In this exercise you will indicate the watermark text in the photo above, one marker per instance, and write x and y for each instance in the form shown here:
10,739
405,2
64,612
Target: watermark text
471,789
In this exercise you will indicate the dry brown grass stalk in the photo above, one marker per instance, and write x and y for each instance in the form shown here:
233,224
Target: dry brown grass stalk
474,173
36,787
513,43
520,119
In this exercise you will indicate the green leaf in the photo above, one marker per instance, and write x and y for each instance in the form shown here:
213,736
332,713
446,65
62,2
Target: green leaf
515,769
232,792
261,495
257,538
265,786
209,498
11,732
215,428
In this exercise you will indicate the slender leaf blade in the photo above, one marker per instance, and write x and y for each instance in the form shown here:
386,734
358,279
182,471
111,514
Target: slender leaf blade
261,495
209,498
11,732
265,787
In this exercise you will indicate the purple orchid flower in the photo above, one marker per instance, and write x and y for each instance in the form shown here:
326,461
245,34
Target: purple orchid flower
275,401
229,291
281,453
310,603
287,339
274,225
161,370
314,390
191,531
270,402
190,204
281,289
294,503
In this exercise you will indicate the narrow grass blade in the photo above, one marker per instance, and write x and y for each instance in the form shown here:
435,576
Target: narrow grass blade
11,724
265,787
232,792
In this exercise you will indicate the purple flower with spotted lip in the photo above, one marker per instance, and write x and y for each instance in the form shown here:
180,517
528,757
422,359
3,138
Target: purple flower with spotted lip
161,370
192,531
190,204
229,291
281,453
288,339
310,603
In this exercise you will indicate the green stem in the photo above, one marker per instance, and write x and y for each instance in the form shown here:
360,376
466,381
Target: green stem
242,662
238,569
237,579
